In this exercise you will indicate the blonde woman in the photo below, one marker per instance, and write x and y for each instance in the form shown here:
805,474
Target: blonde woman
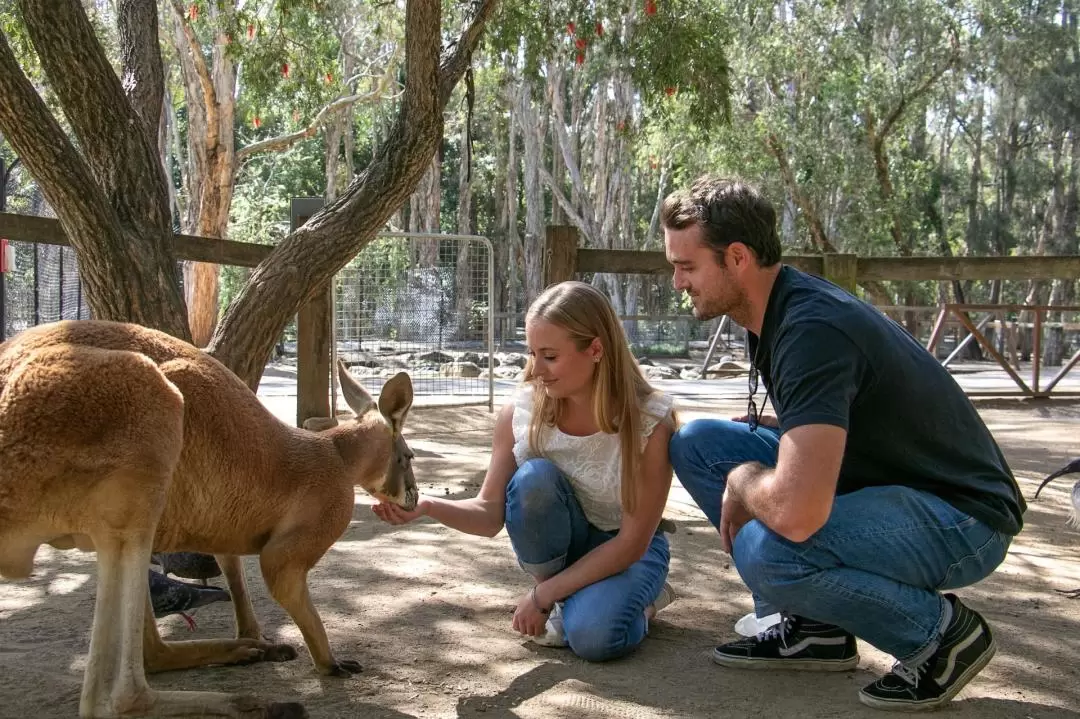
579,476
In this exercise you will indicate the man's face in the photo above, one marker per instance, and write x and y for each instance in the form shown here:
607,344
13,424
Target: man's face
711,286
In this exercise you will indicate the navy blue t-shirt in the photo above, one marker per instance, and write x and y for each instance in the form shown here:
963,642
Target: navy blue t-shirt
826,357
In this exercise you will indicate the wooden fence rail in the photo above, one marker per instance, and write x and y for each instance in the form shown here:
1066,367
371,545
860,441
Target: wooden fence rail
564,259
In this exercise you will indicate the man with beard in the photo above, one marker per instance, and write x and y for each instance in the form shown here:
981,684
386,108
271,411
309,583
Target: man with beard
876,485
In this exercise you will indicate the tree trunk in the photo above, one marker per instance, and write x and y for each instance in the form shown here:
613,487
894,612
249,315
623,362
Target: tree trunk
530,125
109,195
465,274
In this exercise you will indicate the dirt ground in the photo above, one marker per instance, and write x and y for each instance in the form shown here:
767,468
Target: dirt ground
427,612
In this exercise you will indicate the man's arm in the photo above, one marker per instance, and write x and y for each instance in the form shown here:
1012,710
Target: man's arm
818,372
793,499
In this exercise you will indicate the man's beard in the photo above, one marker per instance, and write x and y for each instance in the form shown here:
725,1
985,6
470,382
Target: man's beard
719,306
711,310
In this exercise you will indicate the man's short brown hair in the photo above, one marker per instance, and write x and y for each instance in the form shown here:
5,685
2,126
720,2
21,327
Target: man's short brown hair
727,211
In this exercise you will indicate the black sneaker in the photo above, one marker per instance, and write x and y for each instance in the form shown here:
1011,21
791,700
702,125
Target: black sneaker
794,643
966,647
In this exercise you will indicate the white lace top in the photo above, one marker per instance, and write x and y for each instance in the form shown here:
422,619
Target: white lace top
592,464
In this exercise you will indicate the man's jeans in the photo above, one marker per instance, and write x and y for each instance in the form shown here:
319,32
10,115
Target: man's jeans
549,532
876,566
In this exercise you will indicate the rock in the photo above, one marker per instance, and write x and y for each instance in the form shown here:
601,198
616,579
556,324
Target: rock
660,372
470,357
727,369
690,373
645,362
509,372
459,369
435,356
513,359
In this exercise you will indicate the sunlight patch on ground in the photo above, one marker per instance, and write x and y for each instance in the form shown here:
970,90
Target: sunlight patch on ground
574,698
66,583
16,598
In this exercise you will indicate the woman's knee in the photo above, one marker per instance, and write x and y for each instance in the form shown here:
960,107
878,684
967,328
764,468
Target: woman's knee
601,641
535,486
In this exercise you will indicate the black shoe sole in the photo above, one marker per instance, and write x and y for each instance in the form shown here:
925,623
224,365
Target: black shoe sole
931,704
805,665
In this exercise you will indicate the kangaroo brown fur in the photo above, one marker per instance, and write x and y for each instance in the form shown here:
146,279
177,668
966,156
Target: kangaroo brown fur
124,440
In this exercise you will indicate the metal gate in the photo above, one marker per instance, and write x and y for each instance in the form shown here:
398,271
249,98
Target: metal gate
420,303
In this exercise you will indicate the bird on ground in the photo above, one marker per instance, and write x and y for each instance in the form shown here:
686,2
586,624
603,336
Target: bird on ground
171,596
1072,467
187,565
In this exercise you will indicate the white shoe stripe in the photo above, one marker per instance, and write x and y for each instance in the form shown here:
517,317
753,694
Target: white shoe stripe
825,641
951,664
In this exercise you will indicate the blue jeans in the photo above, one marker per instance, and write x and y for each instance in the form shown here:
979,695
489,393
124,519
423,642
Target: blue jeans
549,532
875,569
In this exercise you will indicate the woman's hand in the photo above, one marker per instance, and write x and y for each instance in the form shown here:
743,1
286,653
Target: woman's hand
528,619
395,514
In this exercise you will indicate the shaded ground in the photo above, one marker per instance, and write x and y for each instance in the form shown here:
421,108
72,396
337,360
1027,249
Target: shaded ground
427,611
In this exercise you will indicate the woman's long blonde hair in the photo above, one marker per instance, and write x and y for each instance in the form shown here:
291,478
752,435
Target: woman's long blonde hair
619,388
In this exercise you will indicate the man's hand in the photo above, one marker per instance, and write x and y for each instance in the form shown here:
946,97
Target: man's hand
765,420
733,515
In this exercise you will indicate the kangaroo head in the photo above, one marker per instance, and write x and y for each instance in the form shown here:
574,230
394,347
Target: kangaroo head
395,483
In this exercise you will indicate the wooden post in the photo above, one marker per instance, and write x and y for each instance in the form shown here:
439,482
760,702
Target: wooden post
313,357
314,333
560,259
840,269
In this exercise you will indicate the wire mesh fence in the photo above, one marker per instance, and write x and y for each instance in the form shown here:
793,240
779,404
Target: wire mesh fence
420,303
44,286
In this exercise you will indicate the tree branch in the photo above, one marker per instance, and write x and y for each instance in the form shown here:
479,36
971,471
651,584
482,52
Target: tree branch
142,76
129,274
579,221
302,264
206,83
125,163
287,140
459,54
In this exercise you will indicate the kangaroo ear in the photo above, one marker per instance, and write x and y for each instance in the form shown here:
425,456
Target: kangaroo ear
359,399
395,400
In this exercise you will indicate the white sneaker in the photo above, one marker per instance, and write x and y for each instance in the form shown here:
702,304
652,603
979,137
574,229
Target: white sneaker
666,597
555,636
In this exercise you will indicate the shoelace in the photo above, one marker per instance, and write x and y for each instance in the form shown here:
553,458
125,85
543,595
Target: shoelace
778,631
909,675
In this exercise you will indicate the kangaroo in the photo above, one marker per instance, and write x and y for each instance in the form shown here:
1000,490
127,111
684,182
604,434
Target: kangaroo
123,440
